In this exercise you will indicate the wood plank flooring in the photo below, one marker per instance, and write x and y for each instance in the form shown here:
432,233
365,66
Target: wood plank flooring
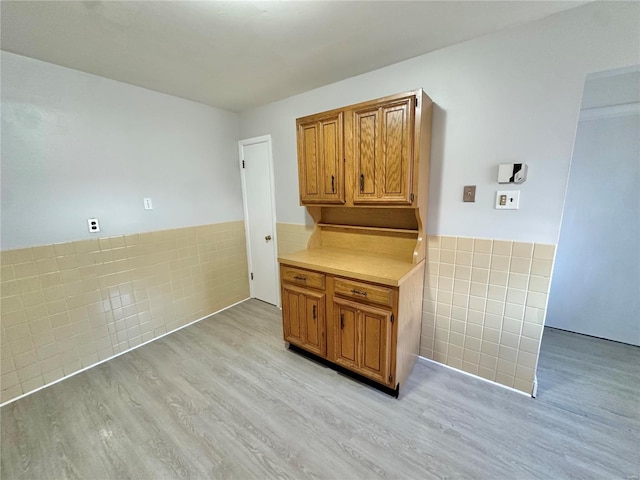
225,399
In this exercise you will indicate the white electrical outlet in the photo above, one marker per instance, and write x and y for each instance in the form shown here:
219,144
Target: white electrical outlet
94,226
508,199
147,204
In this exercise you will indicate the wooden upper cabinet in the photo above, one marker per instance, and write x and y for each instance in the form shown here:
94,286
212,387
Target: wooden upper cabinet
383,152
321,159
372,154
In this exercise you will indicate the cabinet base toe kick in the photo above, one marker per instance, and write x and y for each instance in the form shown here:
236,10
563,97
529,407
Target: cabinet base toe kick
394,392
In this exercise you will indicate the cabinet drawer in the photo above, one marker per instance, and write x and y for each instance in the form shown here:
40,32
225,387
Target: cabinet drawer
363,291
302,277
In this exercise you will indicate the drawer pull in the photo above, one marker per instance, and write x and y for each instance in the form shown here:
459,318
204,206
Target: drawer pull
302,279
358,292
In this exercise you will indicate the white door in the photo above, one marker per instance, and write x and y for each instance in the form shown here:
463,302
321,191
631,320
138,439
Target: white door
259,210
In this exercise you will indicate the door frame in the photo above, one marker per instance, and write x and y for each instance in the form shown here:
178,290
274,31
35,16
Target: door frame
242,143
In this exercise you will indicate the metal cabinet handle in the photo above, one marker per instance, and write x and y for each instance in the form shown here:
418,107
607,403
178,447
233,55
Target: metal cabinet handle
302,279
341,321
267,238
314,312
333,187
362,182
358,292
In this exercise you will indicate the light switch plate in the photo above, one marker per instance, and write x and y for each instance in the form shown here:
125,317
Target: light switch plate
508,199
469,193
147,204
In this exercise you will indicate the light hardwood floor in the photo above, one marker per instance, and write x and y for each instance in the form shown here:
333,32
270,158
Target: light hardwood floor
224,399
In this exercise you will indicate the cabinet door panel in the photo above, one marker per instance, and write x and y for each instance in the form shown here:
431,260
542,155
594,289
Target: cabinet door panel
321,160
383,152
396,139
314,320
332,159
309,165
346,335
366,138
292,316
376,337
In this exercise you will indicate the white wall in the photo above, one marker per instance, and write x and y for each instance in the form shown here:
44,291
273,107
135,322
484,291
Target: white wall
596,280
510,97
76,146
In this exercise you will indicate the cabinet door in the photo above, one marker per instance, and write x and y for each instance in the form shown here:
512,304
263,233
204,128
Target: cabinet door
345,321
397,151
292,318
383,152
375,330
321,160
366,153
314,322
363,339
303,318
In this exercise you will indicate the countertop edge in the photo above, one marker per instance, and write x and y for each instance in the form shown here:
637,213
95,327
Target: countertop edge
283,260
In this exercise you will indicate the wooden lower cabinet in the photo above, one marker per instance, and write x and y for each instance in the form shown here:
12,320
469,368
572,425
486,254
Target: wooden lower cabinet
304,320
363,339
370,329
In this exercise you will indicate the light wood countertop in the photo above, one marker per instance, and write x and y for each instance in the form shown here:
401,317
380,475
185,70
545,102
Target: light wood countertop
352,264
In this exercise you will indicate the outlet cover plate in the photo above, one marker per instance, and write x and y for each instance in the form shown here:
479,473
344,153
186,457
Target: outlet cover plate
94,225
508,199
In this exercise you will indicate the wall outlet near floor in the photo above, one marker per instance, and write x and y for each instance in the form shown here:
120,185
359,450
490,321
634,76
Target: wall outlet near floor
508,199
147,204
94,226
